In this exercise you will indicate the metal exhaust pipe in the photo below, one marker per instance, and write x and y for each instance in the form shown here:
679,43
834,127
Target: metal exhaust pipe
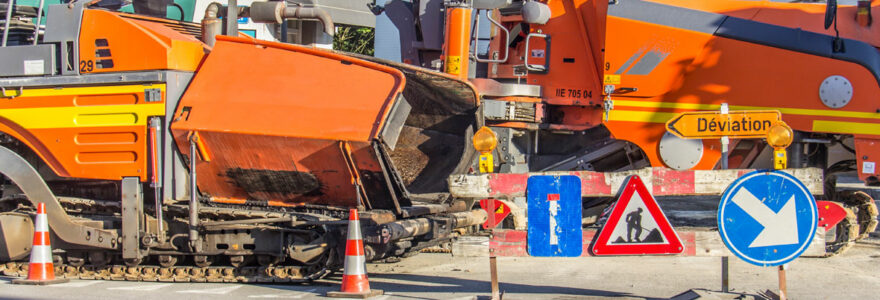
276,12
194,195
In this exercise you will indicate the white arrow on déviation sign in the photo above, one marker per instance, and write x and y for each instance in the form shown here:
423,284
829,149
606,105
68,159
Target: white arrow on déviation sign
780,228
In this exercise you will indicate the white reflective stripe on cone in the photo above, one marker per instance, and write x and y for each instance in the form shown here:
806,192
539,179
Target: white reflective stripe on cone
354,234
355,265
41,224
41,254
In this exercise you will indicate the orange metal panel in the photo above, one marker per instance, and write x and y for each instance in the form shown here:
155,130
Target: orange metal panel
676,49
91,133
744,75
806,16
272,117
577,35
97,152
111,43
301,92
23,135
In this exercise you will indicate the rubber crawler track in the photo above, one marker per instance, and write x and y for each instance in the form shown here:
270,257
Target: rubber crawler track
278,274
244,274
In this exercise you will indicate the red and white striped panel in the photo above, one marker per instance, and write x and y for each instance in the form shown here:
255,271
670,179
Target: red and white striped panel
661,182
696,243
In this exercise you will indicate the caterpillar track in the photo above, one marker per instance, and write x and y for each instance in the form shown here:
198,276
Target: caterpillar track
277,274
201,271
860,221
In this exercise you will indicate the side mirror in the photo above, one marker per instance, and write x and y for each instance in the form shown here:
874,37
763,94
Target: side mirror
830,12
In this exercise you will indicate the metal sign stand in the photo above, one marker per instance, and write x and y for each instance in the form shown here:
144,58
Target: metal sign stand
493,270
725,277
725,141
725,260
493,261
782,289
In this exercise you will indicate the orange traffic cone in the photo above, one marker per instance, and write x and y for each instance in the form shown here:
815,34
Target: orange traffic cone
354,275
41,270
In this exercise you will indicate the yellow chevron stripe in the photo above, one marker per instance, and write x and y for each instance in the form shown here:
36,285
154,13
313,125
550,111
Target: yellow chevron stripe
91,90
83,116
846,127
818,125
792,111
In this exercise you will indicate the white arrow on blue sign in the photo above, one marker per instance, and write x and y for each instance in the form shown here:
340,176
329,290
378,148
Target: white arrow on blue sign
767,218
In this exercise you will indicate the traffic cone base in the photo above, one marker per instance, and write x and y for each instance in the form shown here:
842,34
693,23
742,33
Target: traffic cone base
371,293
41,271
354,274
40,282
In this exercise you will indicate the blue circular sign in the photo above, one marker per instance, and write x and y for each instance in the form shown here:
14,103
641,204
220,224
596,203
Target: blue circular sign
767,218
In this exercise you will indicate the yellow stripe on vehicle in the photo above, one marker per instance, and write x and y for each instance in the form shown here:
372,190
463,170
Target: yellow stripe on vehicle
83,116
640,116
653,104
91,90
846,127
783,110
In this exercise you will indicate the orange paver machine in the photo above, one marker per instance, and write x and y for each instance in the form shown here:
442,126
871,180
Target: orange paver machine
165,150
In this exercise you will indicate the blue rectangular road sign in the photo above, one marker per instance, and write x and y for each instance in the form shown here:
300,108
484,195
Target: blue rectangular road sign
554,212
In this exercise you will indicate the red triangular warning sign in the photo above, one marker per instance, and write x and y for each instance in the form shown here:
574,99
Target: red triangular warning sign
636,225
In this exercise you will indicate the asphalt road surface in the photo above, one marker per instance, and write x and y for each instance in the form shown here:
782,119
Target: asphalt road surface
853,275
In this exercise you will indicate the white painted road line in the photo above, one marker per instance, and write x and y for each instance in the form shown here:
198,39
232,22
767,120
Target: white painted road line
465,298
141,287
77,284
296,295
214,291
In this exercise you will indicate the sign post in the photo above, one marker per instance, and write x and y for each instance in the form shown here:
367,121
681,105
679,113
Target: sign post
725,141
490,206
780,137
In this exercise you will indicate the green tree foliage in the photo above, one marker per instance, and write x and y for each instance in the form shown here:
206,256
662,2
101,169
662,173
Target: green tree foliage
354,39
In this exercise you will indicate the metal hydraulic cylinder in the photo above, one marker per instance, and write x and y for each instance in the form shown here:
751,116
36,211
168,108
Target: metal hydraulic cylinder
456,51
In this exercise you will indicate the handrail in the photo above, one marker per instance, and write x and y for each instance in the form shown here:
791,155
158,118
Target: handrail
477,39
9,8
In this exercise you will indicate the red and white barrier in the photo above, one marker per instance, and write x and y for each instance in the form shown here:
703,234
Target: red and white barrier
660,181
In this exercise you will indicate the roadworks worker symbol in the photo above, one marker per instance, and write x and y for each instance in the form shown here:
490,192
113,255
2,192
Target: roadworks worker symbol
636,225
636,231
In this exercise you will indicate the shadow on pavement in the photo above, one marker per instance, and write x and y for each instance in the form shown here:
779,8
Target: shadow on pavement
401,284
